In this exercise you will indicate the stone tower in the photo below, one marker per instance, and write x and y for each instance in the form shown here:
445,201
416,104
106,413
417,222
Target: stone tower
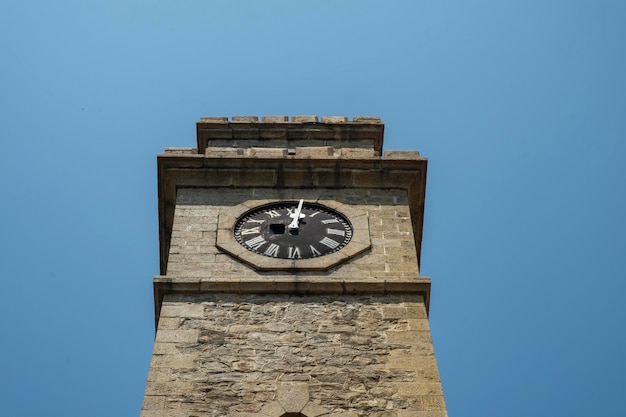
290,281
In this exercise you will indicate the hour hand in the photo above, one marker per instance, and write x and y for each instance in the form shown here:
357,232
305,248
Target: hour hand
297,215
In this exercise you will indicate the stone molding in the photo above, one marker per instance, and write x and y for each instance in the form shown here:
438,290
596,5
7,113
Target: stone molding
298,284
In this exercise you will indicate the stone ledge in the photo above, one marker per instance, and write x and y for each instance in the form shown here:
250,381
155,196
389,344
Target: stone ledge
316,152
181,151
291,284
402,155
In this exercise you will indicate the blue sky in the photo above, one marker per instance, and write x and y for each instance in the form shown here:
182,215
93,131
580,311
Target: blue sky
520,107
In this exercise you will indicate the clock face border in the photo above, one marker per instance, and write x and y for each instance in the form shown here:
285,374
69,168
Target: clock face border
269,230
359,242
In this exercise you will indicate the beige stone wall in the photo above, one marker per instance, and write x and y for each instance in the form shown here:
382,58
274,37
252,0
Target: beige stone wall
194,256
275,355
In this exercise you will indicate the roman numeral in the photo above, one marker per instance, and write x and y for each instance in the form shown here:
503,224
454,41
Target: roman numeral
255,221
294,252
329,242
272,213
251,231
256,242
336,232
314,251
328,221
272,250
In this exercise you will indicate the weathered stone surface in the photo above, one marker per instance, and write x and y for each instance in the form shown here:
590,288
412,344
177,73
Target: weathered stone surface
334,119
245,119
366,119
214,120
182,310
402,155
275,119
312,409
292,396
392,258
304,119
330,355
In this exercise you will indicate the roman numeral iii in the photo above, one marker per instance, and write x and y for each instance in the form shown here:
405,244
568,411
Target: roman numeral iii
329,242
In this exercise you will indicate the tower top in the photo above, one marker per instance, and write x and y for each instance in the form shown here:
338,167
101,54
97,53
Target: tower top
281,132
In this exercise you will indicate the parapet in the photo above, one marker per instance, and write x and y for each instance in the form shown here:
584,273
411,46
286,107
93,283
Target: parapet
281,132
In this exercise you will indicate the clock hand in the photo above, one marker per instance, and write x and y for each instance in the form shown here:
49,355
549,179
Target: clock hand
297,215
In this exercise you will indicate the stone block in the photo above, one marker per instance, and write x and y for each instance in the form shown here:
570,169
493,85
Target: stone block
245,119
177,336
159,375
304,119
314,151
334,119
314,410
272,409
428,402
392,312
180,151
182,310
357,153
154,402
161,348
275,119
267,152
402,155
292,396
413,389
169,323
224,152
168,389
366,119
213,120
181,361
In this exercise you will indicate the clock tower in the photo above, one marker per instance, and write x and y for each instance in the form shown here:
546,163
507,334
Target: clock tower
289,282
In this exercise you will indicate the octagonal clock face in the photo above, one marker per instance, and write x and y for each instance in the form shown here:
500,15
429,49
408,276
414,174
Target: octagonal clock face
293,230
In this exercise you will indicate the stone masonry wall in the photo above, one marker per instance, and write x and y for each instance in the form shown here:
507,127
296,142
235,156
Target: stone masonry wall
194,256
286,355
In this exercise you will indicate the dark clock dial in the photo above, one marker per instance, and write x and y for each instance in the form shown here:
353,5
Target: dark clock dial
293,230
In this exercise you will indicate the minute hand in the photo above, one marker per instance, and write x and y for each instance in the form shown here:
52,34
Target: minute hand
296,216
